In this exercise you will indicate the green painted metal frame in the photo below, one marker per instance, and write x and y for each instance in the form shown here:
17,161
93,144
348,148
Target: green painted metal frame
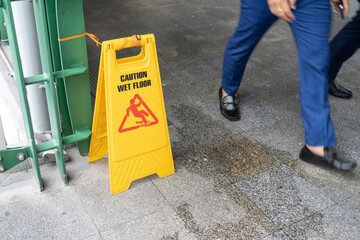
54,44
70,22
46,62
32,153
58,68
3,32
8,156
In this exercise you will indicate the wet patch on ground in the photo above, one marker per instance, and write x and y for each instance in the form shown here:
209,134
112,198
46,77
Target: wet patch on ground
238,157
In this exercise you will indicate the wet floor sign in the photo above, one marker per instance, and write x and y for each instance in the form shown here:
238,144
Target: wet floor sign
129,115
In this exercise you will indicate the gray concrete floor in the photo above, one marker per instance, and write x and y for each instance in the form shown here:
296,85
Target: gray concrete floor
239,180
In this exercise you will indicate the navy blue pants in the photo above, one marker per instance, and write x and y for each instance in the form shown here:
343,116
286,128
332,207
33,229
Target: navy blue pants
344,45
311,32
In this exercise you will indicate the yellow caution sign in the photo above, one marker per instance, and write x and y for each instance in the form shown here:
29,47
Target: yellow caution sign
129,116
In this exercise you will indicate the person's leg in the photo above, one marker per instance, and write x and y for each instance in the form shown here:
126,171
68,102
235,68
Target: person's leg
311,31
255,19
344,45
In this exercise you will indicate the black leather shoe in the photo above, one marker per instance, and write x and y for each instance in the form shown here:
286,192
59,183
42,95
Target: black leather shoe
229,107
330,158
339,91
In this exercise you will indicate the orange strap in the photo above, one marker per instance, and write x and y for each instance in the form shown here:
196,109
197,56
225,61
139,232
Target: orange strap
92,36
135,41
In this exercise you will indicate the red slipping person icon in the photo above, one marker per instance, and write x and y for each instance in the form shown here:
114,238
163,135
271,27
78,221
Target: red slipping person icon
138,114
134,109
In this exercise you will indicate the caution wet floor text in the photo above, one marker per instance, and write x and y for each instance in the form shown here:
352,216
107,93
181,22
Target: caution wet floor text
129,116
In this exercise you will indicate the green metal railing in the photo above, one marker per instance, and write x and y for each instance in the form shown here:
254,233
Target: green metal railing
66,80
3,33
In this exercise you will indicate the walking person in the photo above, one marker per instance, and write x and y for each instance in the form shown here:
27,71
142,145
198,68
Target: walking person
310,24
342,47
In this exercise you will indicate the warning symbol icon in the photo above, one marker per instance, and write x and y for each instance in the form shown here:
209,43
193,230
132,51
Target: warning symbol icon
138,114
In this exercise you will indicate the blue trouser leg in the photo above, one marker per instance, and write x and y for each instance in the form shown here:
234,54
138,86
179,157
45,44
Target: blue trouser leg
255,19
311,31
344,45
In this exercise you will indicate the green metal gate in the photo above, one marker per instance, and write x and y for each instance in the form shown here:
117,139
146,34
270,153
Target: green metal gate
66,79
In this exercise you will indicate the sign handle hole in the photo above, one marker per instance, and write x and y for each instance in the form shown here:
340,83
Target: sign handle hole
128,52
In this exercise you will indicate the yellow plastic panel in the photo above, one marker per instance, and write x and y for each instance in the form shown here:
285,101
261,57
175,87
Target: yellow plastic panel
98,142
137,133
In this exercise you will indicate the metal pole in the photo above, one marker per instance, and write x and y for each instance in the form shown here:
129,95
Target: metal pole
7,62
3,174
26,33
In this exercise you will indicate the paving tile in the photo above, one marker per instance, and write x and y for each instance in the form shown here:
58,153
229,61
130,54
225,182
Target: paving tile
345,109
21,185
194,175
331,223
93,237
107,210
255,114
17,191
191,39
164,224
197,127
348,108
162,18
204,103
350,148
238,157
203,14
223,23
283,196
284,98
352,205
76,165
178,143
280,235
224,214
188,48
221,31
74,168
193,88
267,79
3,177
24,175
284,138
97,171
186,69
59,215
196,163
337,185
346,128
348,139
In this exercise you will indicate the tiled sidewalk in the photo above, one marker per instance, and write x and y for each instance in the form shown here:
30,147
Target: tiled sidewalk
239,180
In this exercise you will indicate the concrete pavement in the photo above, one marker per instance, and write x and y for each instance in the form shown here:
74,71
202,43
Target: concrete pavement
233,180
